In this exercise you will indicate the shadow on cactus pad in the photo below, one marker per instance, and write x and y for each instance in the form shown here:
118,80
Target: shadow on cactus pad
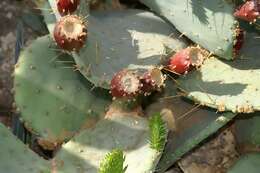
124,39
209,23
127,132
189,124
121,39
228,85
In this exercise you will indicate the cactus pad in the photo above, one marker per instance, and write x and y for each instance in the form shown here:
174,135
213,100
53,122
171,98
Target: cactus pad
246,163
190,124
228,85
138,41
54,100
248,132
209,23
16,157
129,133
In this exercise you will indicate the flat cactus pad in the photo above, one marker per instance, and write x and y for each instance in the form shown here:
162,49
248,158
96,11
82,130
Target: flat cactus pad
16,157
129,133
54,100
228,85
209,23
247,163
121,39
189,124
138,41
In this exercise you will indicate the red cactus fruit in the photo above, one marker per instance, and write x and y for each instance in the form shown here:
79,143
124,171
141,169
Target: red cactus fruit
239,40
125,84
152,80
67,6
249,11
182,61
70,33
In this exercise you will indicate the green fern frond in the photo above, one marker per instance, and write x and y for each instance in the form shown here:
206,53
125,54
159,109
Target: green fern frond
158,132
113,162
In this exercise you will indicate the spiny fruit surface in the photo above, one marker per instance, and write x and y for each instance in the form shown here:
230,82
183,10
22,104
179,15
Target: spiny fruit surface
249,11
152,80
125,83
180,62
70,33
67,6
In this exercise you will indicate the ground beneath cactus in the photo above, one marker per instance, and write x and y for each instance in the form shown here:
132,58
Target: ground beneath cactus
11,12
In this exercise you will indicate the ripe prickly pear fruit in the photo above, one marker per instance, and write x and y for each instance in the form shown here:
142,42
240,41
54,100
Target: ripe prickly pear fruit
249,11
125,84
67,6
182,61
70,33
239,40
152,80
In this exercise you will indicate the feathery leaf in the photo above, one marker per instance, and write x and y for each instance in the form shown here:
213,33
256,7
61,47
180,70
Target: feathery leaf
113,162
158,132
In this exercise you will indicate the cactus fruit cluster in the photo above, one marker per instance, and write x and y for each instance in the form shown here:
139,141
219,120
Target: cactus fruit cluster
131,84
66,83
249,11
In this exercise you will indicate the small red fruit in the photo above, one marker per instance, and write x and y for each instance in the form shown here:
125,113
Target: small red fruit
126,84
152,80
70,33
180,62
249,11
67,6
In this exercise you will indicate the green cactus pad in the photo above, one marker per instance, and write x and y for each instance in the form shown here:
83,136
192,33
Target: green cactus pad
54,100
247,131
190,124
247,163
129,133
209,23
138,41
228,85
16,157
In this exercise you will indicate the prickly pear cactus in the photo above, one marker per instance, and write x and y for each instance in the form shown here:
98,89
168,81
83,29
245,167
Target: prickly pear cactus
54,100
189,124
129,133
16,157
208,23
228,85
138,41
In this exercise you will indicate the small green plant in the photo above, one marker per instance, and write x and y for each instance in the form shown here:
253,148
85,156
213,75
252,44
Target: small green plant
158,132
113,162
